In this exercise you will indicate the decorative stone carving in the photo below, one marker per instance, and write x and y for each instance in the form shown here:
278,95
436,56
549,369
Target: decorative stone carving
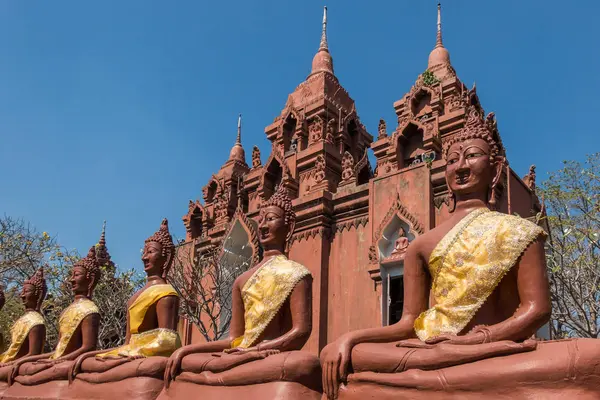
319,169
315,129
529,179
256,162
331,128
382,129
347,167
220,208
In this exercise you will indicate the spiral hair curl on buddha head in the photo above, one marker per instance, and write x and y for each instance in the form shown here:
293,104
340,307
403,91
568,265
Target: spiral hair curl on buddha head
39,286
92,269
281,199
476,128
164,238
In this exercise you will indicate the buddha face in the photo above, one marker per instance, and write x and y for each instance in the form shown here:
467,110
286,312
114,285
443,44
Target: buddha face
153,259
80,283
28,296
272,228
469,170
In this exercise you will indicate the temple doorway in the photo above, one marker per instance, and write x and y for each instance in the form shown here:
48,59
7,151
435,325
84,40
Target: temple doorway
395,298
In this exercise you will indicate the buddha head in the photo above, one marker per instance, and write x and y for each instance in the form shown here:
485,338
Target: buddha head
158,252
34,291
276,221
474,161
86,274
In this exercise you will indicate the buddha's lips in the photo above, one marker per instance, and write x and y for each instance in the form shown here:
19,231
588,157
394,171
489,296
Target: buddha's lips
462,178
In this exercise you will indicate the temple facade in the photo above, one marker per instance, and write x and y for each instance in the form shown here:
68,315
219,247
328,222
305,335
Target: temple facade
354,220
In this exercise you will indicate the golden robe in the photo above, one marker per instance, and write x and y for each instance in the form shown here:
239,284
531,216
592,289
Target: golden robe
155,342
69,321
467,265
264,294
19,332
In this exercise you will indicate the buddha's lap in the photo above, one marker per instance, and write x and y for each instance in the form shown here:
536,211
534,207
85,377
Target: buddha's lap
130,368
550,361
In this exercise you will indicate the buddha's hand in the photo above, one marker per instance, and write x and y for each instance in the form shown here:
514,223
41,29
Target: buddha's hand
173,366
335,358
469,339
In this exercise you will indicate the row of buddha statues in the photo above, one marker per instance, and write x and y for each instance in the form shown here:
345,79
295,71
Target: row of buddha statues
476,291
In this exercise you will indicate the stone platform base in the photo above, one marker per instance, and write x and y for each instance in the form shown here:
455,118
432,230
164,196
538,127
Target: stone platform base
140,388
262,391
46,391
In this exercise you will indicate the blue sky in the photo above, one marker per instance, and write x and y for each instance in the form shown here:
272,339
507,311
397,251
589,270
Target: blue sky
121,110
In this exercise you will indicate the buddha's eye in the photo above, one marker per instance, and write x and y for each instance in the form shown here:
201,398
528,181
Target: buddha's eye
452,161
473,155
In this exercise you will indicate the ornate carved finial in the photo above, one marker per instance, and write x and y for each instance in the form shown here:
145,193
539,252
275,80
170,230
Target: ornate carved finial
438,42
382,129
256,162
101,252
323,45
322,61
239,131
529,179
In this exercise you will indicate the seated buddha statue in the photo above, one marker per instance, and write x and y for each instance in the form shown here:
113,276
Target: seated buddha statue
271,320
476,291
78,329
28,333
400,245
151,326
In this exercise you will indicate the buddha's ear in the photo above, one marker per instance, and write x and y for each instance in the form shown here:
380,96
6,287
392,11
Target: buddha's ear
498,167
291,227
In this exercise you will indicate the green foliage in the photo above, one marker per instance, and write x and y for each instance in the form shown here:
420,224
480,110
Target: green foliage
429,78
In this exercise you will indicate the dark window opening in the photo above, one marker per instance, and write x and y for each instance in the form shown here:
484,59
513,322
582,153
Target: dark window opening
396,299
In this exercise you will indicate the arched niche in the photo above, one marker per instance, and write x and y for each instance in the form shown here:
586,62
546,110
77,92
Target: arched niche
353,135
289,127
240,250
420,103
390,234
193,220
410,145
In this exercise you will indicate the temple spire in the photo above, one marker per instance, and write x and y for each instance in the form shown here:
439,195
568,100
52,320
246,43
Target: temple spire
237,151
102,241
239,130
439,55
322,61
323,45
438,42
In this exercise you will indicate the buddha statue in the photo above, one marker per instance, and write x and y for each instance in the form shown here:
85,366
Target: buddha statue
151,332
476,291
78,331
28,333
271,320
400,245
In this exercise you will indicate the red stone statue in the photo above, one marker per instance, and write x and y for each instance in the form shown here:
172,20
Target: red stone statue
400,245
78,333
271,320
151,334
476,290
28,333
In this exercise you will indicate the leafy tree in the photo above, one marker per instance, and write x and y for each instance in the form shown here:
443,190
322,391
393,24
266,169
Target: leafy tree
572,199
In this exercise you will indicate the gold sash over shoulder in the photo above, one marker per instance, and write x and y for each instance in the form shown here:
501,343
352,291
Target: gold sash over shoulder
264,294
69,321
467,265
19,332
156,342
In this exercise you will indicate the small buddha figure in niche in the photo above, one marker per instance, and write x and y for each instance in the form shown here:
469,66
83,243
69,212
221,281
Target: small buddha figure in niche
28,333
271,318
78,329
151,323
401,244
476,288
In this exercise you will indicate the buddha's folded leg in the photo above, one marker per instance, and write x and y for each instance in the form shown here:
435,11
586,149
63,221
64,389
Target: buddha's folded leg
32,368
218,362
55,372
552,364
295,366
97,365
148,367
413,354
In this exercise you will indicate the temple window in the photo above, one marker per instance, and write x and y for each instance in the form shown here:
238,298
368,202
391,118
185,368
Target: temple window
289,127
273,176
420,104
410,146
